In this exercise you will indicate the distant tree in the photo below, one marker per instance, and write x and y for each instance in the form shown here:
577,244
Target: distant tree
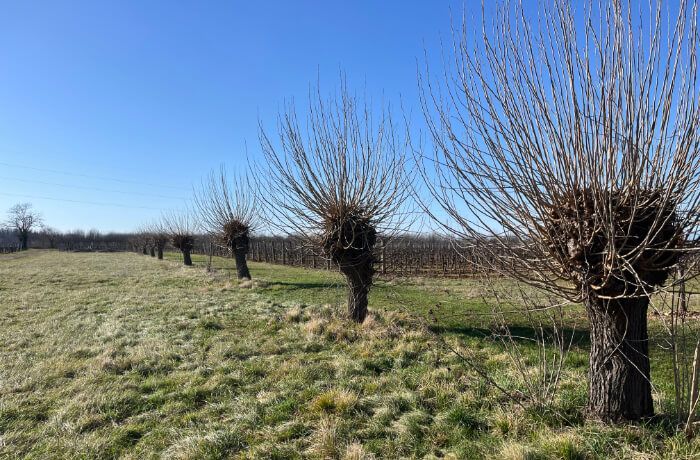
228,210
159,237
52,235
151,243
22,218
336,185
181,227
142,239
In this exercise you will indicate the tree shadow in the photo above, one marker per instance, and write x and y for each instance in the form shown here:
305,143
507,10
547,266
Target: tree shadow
520,333
295,286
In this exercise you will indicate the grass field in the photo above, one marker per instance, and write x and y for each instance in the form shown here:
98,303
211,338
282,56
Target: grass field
122,355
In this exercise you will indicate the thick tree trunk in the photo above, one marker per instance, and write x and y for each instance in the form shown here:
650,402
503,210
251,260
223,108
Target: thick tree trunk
186,257
160,253
619,377
145,251
359,277
153,251
240,250
23,241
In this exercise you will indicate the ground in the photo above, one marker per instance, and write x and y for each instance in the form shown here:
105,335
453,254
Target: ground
122,355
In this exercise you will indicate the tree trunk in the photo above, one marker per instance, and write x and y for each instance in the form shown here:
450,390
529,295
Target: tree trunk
160,253
240,249
153,251
359,277
186,257
619,377
23,240
145,250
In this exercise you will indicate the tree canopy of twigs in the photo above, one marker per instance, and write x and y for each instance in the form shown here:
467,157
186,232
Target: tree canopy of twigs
158,235
22,218
568,149
336,184
181,227
228,210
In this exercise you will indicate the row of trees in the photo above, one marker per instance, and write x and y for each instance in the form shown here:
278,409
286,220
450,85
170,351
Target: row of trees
571,154
25,225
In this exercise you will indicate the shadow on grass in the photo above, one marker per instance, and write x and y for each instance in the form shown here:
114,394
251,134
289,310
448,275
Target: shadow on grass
294,286
520,334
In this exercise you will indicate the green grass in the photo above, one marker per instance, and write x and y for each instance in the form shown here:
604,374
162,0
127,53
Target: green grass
121,355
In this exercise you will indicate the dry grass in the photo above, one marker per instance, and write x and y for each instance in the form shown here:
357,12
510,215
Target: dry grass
120,355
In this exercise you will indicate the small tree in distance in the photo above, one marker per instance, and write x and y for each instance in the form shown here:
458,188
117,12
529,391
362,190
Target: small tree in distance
336,185
571,155
180,227
22,218
159,237
228,210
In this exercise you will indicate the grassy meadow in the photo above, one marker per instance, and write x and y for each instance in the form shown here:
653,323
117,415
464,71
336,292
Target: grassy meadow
124,356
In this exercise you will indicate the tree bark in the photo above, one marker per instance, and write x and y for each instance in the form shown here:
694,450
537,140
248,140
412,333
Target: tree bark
619,377
240,249
359,277
160,253
153,251
187,258
23,241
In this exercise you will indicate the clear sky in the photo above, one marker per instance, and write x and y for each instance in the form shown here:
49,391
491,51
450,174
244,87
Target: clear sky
111,111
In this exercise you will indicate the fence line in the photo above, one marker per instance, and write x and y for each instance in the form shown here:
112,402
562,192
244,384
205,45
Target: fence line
408,257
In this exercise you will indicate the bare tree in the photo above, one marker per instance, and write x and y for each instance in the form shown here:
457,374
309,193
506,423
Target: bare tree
22,218
51,234
228,210
150,241
159,237
336,185
142,239
571,155
181,228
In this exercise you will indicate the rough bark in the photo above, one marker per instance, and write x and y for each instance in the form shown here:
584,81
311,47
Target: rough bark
240,248
349,242
186,257
359,278
619,377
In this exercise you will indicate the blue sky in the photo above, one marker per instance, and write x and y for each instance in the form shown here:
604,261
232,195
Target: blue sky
138,100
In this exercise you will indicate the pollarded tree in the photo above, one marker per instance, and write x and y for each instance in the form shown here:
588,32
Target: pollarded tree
569,150
181,227
228,209
151,243
159,237
143,239
22,218
336,185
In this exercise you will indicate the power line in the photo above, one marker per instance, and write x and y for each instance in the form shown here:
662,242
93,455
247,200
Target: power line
124,181
81,187
94,203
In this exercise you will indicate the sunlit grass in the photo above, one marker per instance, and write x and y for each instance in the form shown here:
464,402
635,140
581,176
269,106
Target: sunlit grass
122,355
